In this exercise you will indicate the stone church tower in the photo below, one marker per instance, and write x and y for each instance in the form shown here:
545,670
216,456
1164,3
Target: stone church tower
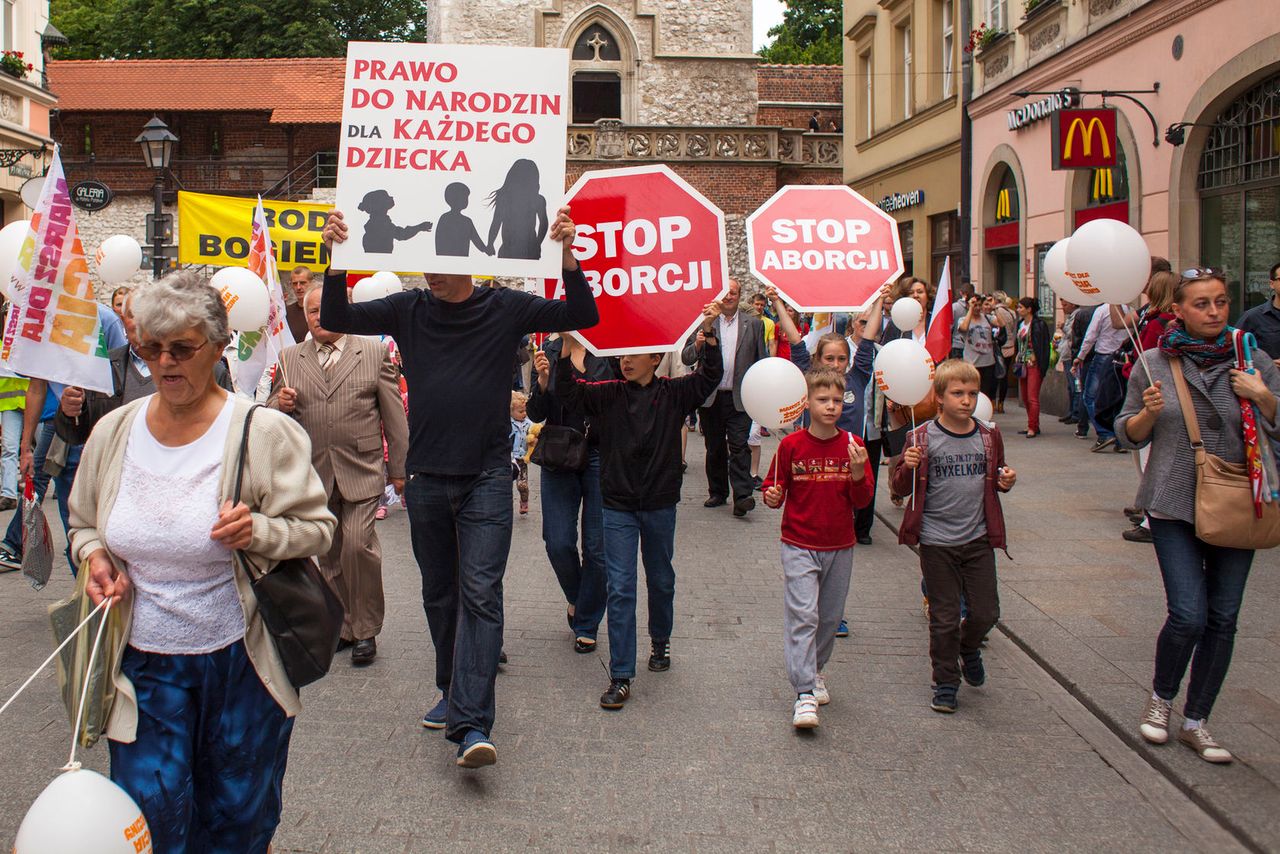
646,62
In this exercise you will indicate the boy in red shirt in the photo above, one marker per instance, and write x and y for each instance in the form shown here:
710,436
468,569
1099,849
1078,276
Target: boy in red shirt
823,475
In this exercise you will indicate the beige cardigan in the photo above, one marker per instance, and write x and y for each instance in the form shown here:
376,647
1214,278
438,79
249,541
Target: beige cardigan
290,515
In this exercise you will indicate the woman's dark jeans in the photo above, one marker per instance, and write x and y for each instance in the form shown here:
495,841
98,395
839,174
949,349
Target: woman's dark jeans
568,497
1203,586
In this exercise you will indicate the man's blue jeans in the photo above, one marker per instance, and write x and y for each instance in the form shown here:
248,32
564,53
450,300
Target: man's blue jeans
63,482
460,526
1099,363
654,532
565,494
1203,587
11,437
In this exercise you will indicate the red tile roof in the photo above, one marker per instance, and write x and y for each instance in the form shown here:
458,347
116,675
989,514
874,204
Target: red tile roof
294,91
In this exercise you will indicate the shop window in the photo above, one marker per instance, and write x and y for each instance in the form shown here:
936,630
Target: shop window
945,234
1044,294
907,240
1007,199
1105,192
1239,182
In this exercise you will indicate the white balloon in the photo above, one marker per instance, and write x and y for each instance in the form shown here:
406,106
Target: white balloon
119,257
906,314
904,371
368,289
389,281
1108,260
774,392
984,411
12,236
1055,273
82,811
245,297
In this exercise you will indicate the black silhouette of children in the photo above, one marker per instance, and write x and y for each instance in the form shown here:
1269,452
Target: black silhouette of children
380,233
455,232
520,212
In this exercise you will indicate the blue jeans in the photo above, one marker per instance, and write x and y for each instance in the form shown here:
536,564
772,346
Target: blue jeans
63,482
654,531
581,576
1099,363
11,435
460,526
1203,587
208,763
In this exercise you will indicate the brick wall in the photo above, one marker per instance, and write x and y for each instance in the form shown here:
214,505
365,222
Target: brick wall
801,89
216,152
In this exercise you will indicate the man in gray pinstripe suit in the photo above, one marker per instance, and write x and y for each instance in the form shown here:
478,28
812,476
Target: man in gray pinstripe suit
342,389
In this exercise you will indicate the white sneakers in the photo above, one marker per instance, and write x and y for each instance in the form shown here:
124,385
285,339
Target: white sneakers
805,715
820,692
1155,721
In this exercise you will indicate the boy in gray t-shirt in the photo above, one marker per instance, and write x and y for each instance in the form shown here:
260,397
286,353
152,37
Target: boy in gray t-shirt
957,465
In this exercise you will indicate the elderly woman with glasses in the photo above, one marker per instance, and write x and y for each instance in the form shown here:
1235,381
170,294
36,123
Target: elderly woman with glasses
1204,584
199,729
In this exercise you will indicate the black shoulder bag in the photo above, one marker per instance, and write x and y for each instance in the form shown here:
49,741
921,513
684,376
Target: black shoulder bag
301,612
560,448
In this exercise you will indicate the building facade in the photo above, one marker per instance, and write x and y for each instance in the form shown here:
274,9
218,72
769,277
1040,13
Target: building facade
683,89
1196,85
902,122
25,101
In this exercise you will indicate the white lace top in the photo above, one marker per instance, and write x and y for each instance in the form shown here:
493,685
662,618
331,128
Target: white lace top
185,600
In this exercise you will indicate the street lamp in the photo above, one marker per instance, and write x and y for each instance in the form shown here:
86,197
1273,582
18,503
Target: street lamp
157,147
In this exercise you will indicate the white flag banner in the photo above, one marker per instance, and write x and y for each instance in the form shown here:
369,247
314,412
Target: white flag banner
257,351
53,331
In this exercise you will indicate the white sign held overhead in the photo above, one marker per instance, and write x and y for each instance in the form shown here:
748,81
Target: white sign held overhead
452,158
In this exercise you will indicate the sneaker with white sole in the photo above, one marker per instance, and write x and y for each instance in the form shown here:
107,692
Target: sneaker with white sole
1199,740
820,692
1155,721
805,714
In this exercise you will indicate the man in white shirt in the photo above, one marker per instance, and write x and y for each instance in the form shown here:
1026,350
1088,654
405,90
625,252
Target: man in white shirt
725,423
1103,338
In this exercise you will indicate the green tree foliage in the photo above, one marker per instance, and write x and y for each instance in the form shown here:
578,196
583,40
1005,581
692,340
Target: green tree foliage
808,35
217,29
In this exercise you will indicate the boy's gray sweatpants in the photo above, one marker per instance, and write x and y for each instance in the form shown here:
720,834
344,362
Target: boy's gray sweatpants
816,584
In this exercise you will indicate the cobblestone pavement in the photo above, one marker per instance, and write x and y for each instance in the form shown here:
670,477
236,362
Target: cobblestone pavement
703,758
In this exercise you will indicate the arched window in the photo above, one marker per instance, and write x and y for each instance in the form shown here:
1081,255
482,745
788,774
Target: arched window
1001,238
1006,209
1104,192
1239,183
597,75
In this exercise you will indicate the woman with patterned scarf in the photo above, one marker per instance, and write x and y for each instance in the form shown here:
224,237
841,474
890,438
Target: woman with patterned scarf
1204,584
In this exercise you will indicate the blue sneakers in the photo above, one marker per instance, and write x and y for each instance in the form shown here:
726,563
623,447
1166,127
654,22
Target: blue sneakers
476,750
435,719
843,631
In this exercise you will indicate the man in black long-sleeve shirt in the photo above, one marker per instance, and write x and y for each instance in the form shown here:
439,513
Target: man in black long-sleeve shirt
458,343
638,419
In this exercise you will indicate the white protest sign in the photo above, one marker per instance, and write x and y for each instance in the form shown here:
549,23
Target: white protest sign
452,158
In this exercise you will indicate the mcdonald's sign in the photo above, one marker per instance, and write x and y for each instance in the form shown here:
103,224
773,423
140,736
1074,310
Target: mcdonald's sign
1085,139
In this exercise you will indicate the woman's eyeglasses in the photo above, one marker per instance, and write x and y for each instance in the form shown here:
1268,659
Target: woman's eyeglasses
1194,273
181,351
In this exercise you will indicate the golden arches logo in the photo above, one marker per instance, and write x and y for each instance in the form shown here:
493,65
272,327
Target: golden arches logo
1103,185
1003,208
1086,132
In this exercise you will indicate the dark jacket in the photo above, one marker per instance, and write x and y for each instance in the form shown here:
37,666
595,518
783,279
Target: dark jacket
751,349
639,429
546,406
909,532
75,431
1040,345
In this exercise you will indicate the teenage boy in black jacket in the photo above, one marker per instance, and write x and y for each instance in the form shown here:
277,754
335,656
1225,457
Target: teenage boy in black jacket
638,420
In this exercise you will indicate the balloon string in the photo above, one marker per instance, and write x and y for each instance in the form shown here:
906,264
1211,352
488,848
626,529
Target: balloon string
913,444
54,655
72,764
1137,346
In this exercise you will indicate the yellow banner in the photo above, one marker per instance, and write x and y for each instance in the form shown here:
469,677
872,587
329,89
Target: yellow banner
216,230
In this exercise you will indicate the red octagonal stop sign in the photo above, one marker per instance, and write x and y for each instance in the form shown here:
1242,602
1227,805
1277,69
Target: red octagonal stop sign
825,248
653,250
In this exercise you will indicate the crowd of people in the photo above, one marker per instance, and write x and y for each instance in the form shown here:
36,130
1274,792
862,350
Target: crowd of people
412,395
